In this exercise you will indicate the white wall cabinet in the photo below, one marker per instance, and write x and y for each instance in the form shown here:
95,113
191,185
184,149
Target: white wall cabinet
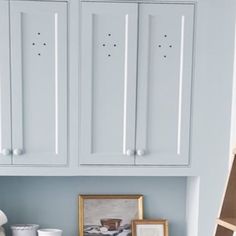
38,130
138,118
136,74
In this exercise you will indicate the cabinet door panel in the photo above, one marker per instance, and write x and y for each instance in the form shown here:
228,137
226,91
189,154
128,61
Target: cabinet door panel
5,93
164,83
39,81
109,36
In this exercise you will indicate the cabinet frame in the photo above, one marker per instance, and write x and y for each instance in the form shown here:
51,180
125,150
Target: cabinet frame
5,82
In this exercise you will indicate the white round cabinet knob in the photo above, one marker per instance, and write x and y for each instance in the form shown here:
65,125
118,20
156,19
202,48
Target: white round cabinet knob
130,152
17,152
6,152
140,152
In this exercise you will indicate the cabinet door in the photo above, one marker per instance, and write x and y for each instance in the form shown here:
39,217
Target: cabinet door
109,47
5,104
39,82
164,83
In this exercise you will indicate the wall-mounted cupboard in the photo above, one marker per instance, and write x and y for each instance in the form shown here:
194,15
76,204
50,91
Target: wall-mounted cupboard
34,82
135,83
136,75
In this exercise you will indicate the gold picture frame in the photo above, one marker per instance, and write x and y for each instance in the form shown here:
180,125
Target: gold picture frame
110,219
159,227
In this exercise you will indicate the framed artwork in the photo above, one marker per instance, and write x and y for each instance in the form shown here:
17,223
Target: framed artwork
110,215
150,227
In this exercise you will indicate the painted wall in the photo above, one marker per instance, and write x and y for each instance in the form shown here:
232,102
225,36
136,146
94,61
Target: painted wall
52,201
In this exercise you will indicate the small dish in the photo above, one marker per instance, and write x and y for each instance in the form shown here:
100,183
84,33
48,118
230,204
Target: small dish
49,232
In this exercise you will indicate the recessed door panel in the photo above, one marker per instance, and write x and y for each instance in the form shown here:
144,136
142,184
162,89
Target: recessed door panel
164,83
39,82
5,92
109,36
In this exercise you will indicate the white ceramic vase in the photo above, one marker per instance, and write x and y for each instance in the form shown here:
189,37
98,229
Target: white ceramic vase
3,218
49,232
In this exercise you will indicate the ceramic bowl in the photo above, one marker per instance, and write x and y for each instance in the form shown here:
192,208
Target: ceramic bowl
49,232
110,223
24,229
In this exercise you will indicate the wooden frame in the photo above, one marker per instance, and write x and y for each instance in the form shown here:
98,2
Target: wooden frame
162,222
83,198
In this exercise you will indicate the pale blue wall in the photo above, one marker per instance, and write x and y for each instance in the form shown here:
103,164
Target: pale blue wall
52,201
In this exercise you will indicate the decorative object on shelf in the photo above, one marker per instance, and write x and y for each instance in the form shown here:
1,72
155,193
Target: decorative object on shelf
3,220
49,232
157,227
2,231
108,214
24,230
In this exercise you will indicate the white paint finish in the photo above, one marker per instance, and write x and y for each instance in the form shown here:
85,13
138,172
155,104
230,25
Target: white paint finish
56,84
39,82
233,105
5,93
109,52
192,205
211,107
164,83
180,85
126,84
93,170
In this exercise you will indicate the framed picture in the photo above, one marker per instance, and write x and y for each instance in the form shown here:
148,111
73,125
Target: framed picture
110,215
150,227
